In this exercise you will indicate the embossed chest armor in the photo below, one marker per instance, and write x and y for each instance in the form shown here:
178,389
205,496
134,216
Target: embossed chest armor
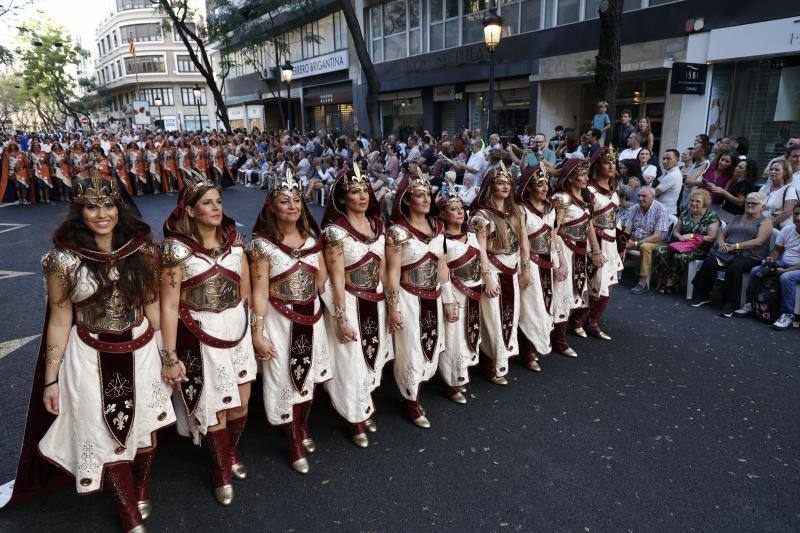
118,315
540,244
365,276
469,271
577,231
513,246
422,276
297,287
606,220
216,293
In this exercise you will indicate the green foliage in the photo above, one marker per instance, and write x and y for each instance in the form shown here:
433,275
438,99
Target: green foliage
12,96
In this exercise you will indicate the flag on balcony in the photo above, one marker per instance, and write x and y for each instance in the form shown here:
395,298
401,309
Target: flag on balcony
131,47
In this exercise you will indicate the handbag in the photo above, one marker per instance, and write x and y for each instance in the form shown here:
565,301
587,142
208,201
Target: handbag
686,246
722,259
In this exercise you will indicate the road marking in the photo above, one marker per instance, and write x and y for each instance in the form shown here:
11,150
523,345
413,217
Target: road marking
6,490
12,226
15,344
8,204
5,274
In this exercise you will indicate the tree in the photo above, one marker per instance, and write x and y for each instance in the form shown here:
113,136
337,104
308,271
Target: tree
10,8
606,75
12,98
373,82
191,30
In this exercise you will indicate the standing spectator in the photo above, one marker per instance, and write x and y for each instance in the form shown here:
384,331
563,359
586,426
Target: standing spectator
527,133
572,147
392,162
600,120
793,158
668,191
595,138
649,171
476,164
622,130
412,149
634,146
698,165
740,185
558,138
783,261
647,226
539,153
643,129
791,141
781,194
740,246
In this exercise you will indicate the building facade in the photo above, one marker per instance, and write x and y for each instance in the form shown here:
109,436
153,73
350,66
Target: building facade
159,71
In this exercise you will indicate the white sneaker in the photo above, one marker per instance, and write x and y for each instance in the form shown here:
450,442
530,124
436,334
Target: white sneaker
745,310
783,322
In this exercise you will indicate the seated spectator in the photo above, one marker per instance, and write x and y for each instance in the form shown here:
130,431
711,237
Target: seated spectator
739,247
719,173
670,184
634,146
782,196
649,171
571,148
783,261
630,180
698,225
647,225
733,195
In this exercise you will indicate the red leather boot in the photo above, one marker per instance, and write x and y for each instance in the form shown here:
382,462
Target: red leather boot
558,337
119,482
358,432
141,468
218,444
235,429
297,454
596,311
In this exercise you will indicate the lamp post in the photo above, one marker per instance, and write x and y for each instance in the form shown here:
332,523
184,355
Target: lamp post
492,30
197,93
402,117
158,102
287,73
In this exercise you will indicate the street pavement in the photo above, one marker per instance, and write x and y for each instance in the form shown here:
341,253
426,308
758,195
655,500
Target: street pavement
684,422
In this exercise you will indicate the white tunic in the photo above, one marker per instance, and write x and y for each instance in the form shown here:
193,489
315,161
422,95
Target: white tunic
536,319
223,368
606,276
79,440
457,357
353,381
564,297
411,368
279,392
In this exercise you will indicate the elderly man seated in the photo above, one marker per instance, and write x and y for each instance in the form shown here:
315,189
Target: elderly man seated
647,225
784,262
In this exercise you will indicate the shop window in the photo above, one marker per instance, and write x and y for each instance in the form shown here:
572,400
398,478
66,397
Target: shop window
402,117
510,110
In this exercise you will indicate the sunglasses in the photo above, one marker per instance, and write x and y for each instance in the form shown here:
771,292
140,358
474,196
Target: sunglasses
752,203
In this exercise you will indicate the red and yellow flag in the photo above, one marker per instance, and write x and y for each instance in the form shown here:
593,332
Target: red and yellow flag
131,47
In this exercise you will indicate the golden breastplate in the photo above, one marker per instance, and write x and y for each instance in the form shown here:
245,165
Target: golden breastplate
541,243
298,287
117,316
513,244
364,277
423,276
607,220
577,231
216,294
469,271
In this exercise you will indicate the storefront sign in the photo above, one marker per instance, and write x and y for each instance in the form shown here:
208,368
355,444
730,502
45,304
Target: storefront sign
254,111
753,40
170,122
336,94
454,57
788,104
688,78
235,113
321,65
444,93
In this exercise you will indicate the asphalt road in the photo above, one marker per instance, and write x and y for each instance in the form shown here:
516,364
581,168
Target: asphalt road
685,422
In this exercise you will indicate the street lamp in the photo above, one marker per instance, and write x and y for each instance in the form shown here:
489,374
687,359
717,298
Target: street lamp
402,116
197,93
158,102
287,73
492,31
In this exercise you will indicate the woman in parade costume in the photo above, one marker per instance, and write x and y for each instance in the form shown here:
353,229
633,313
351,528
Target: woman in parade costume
286,269
498,223
417,284
218,168
39,169
136,169
15,170
99,161
200,157
356,322
79,164
605,201
464,259
204,283
547,264
98,395
183,160
169,167
574,225
153,168
59,170
119,166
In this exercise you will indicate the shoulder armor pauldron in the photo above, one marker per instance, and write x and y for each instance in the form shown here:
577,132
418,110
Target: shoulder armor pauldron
239,240
561,200
478,222
333,235
174,252
396,235
59,261
259,248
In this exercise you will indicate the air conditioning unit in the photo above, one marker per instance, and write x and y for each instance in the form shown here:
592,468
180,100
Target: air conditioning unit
267,74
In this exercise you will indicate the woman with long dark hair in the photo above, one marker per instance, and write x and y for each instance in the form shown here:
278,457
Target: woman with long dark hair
119,166
287,270
418,288
204,286
548,264
153,169
356,318
574,225
15,174
498,223
98,396
59,170
39,171
462,329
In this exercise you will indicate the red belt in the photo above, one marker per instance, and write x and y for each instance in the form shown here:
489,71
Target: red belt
579,247
603,235
366,294
116,347
473,293
540,261
422,293
194,327
508,271
293,315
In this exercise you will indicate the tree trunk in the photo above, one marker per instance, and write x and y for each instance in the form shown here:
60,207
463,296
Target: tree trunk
373,83
606,75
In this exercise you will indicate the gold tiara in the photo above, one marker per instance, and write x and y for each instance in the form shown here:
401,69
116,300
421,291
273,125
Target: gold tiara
611,154
540,176
421,183
503,174
287,186
96,193
200,182
357,180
